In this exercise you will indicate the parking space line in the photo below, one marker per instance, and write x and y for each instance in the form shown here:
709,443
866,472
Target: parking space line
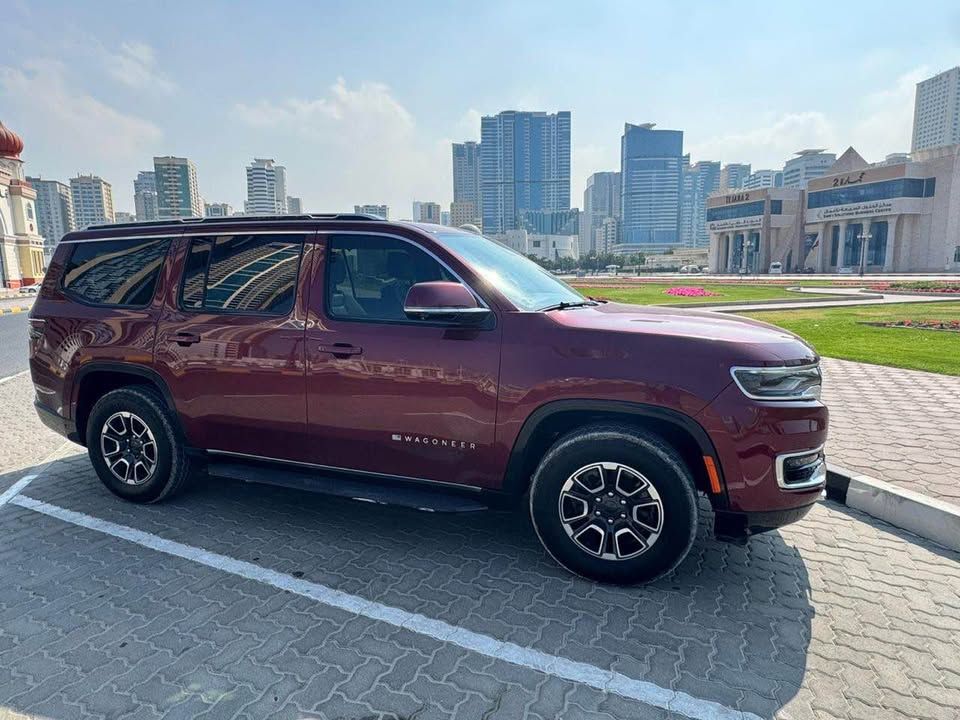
573,671
15,489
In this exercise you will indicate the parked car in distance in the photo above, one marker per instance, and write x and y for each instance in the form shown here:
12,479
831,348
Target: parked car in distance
422,366
776,268
690,269
29,289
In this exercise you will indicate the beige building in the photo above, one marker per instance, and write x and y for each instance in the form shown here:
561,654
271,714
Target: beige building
21,246
749,229
92,200
464,212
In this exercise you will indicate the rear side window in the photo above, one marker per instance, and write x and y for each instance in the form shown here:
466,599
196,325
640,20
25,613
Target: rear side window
242,273
115,272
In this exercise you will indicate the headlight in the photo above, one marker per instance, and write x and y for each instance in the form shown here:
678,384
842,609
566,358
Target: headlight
779,383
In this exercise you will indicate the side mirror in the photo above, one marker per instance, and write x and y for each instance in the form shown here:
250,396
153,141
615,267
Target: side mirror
444,301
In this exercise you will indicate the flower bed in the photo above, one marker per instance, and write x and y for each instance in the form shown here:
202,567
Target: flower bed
920,286
689,292
948,325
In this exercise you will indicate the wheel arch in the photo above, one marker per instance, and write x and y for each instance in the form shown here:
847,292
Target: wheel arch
548,422
96,379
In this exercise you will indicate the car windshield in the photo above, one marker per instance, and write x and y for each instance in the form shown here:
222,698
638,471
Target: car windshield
524,283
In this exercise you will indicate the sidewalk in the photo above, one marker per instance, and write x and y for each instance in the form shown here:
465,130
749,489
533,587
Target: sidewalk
845,298
899,426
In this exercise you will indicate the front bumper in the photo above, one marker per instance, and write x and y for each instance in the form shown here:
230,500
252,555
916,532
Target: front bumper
738,526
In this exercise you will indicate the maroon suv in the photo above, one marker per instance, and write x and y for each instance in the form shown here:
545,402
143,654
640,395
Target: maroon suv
424,366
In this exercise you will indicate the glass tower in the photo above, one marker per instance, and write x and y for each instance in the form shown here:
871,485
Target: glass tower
650,168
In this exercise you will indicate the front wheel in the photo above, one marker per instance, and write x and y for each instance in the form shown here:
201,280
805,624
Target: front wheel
615,504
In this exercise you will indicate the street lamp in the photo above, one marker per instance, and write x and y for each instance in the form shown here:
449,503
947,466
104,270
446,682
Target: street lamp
864,238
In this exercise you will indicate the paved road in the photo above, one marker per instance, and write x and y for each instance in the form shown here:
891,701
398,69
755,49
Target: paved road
13,344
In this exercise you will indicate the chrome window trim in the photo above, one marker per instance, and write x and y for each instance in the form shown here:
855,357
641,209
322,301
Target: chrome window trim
818,478
774,368
445,310
334,468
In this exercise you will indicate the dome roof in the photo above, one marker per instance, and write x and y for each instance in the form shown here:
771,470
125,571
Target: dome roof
11,144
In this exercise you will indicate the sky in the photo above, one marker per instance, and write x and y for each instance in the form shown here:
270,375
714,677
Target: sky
361,100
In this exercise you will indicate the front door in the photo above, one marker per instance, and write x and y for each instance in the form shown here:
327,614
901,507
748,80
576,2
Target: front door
230,342
386,394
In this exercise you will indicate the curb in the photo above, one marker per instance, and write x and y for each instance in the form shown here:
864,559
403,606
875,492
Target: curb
817,299
925,516
10,310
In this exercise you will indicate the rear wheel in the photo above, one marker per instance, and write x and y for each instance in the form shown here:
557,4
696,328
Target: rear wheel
615,504
134,447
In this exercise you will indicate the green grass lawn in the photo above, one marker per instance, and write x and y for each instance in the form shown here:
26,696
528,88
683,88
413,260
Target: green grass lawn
838,332
652,293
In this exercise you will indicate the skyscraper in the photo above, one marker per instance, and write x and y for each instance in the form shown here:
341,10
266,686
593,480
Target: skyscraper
698,181
145,195
524,165
650,168
178,195
466,178
54,210
92,201
601,200
266,188
217,210
807,164
733,175
936,111
763,179
294,206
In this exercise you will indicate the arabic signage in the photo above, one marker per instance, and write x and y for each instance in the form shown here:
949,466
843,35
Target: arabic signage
742,223
897,206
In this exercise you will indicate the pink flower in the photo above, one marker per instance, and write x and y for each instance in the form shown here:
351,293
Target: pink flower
689,292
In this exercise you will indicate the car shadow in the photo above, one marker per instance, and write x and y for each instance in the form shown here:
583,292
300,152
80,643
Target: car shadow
731,624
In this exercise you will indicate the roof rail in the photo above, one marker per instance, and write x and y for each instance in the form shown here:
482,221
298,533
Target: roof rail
238,219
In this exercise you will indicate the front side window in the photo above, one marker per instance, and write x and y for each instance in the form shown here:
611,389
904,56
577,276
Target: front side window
242,274
524,283
368,276
115,272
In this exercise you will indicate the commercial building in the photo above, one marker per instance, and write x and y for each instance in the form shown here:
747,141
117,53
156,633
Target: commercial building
464,212
466,172
550,222
524,165
145,195
733,175
426,212
54,207
606,237
698,181
807,165
378,210
217,210
891,217
294,205
178,194
546,247
21,246
936,111
650,168
601,200
92,200
762,179
266,188
677,259
124,217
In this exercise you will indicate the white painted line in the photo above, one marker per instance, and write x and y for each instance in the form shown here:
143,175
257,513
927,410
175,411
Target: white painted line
8,378
16,489
578,672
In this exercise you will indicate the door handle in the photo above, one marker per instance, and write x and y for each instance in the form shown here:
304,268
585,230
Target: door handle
186,338
340,349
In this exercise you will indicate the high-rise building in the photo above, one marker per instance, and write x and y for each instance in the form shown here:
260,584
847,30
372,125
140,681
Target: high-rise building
378,210
606,237
698,181
650,167
601,200
294,205
54,210
524,165
936,111
217,210
178,194
266,188
124,217
426,212
92,201
464,212
145,195
807,164
550,222
466,172
763,179
733,175
445,217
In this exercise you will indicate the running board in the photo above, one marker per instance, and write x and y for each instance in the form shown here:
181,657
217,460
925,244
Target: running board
381,492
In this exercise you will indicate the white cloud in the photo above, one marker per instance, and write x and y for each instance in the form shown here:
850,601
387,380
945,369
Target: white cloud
135,65
357,144
66,130
886,118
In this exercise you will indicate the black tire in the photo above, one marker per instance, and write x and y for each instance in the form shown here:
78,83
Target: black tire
171,465
667,499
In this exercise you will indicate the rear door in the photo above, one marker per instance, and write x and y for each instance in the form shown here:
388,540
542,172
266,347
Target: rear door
230,342
390,395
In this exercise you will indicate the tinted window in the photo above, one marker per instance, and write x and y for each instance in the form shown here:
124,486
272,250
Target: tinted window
242,273
115,272
368,276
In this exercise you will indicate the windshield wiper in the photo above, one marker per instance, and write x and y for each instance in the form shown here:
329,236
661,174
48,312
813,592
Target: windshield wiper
562,305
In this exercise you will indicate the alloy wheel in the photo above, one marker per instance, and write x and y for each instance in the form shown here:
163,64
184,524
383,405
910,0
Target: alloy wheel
129,448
